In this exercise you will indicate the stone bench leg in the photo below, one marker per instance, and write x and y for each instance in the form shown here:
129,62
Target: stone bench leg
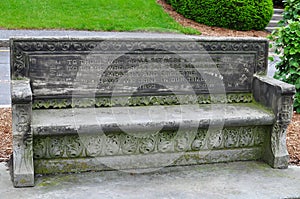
22,162
278,96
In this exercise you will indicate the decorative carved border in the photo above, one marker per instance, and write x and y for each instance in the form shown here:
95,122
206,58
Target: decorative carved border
22,47
278,135
23,171
73,146
141,101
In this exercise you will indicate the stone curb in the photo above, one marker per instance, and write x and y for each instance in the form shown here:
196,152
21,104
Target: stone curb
4,43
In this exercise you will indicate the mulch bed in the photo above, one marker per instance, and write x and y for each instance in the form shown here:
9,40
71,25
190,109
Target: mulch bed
5,134
293,137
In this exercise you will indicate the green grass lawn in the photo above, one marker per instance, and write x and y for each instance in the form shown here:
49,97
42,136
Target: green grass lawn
106,15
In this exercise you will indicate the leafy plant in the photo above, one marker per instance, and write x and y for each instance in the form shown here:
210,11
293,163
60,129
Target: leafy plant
287,45
291,10
233,14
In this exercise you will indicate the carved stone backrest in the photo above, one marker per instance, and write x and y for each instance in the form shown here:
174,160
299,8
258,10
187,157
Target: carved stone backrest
66,72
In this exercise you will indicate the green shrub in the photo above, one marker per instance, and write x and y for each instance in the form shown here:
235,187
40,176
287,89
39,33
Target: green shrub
291,11
287,45
233,14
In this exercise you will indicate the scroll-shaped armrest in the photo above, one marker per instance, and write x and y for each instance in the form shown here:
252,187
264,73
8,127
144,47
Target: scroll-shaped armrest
21,91
277,96
23,169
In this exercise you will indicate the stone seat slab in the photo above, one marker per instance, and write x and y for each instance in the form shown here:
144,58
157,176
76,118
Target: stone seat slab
136,119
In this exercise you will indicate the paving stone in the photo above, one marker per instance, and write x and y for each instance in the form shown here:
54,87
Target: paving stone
4,57
4,72
5,93
226,180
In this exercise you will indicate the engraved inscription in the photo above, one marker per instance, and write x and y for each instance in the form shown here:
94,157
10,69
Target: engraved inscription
143,71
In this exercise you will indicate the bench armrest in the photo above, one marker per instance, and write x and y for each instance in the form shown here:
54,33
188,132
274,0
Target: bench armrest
22,160
21,91
278,96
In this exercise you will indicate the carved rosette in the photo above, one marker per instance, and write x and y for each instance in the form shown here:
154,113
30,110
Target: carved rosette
162,142
147,145
199,141
232,139
93,145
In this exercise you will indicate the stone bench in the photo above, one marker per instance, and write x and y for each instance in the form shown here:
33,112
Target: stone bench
143,101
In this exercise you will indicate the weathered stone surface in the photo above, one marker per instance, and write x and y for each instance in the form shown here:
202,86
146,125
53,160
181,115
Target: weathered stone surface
117,144
21,91
277,96
23,170
130,119
242,179
144,102
22,160
141,163
139,66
